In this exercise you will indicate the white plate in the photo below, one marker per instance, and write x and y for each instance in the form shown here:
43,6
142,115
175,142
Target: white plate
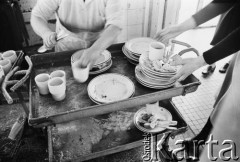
132,53
101,70
104,57
154,87
157,73
132,61
153,77
158,111
149,81
139,45
134,58
110,87
99,103
144,62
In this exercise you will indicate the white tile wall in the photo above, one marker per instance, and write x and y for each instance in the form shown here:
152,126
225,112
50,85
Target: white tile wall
136,4
134,19
134,31
135,16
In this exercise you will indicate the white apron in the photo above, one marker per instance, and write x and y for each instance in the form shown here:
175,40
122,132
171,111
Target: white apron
226,114
74,41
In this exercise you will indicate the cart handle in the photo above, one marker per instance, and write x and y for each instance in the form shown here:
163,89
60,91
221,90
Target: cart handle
16,83
189,47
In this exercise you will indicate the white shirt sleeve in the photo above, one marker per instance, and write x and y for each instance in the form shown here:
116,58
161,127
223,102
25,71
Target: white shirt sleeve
45,8
114,14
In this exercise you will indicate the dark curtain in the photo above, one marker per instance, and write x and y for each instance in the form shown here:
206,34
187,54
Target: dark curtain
13,33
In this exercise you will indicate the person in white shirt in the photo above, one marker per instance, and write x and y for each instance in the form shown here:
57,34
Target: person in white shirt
90,24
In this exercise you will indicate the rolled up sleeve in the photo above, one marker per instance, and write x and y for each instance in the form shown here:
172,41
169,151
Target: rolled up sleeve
45,8
114,14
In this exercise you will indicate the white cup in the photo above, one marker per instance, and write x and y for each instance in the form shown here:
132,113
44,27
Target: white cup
80,74
156,51
58,73
11,55
1,74
42,83
57,88
6,65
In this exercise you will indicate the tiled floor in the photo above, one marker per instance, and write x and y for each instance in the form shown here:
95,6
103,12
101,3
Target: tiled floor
196,107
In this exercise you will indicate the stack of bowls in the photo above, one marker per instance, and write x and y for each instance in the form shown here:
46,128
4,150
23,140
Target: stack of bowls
134,48
103,63
154,74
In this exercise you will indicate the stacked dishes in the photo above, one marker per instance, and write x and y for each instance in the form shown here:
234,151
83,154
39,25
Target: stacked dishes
110,87
103,63
135,47
154,74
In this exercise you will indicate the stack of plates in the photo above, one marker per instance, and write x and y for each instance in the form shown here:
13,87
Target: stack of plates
135,47
154,74
110,87
103,63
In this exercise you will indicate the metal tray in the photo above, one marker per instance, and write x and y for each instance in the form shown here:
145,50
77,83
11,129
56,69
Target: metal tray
45,111
73,141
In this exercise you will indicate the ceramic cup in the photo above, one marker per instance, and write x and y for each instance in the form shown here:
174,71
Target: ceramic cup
57,88
80,74
11,55
6,65
156,51
1,74
59,73
42,83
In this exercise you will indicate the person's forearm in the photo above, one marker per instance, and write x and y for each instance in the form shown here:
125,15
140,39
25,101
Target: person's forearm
187,25
40,26
106,39
212,10
226,47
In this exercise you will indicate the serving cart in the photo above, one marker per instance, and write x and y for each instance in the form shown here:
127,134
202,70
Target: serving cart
77,108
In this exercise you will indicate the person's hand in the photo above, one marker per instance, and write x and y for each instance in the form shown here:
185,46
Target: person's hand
189,65
89,56
168,33
50,39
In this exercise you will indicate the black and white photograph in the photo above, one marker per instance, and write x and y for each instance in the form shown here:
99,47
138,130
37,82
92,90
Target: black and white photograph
119,80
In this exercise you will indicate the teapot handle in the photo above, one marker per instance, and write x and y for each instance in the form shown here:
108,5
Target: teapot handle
188,50
189,47
180,43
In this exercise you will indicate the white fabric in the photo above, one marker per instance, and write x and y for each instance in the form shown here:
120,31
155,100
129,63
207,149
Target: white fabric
225,117
78,16
83,21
